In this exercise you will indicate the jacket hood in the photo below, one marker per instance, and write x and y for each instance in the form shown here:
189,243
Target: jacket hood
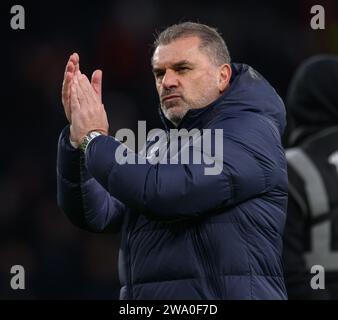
312,97
249,91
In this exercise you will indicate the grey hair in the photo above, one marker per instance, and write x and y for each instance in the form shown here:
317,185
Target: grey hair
211,40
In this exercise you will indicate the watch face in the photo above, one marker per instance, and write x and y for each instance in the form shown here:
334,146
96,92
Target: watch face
94,134
89,137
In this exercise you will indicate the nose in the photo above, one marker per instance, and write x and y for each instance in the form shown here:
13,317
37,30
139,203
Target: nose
170,80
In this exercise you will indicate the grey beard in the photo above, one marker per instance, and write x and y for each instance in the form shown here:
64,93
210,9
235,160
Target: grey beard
175,118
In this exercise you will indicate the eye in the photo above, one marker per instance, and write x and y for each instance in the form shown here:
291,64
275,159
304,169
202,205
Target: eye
183,69
159,74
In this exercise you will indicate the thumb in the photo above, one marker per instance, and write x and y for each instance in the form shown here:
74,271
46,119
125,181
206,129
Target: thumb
96,82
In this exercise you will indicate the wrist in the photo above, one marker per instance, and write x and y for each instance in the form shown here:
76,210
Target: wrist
73,143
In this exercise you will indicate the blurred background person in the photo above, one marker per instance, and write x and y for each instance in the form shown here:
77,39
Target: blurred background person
311,232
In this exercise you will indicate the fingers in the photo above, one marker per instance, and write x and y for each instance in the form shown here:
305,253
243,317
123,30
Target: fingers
87,111
66,85
86,89
96,83
66,94
76,60
83,93
71,66
74,101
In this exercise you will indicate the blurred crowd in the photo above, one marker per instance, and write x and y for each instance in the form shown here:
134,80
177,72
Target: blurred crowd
61,261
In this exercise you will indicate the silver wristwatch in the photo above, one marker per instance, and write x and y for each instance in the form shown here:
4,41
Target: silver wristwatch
88,137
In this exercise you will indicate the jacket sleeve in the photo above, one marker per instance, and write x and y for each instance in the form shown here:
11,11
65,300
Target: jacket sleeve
86,203
174,191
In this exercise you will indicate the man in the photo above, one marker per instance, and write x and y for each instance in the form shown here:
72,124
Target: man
184,234
311,233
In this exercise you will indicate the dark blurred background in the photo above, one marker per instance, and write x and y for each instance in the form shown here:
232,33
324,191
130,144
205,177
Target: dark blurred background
61,261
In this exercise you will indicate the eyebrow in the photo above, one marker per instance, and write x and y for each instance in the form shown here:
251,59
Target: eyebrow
176,65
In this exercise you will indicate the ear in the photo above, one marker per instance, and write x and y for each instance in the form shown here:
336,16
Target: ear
224,77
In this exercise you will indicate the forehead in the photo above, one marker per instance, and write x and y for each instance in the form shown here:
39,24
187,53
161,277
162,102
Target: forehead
177,50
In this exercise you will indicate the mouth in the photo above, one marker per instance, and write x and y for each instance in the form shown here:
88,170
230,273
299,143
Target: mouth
171,97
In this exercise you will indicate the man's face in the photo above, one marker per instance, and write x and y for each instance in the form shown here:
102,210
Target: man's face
186,78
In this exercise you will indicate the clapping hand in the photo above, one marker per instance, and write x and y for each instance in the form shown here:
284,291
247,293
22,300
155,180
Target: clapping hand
82,101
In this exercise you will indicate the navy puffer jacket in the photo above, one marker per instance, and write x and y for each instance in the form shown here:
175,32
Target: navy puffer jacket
184,234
